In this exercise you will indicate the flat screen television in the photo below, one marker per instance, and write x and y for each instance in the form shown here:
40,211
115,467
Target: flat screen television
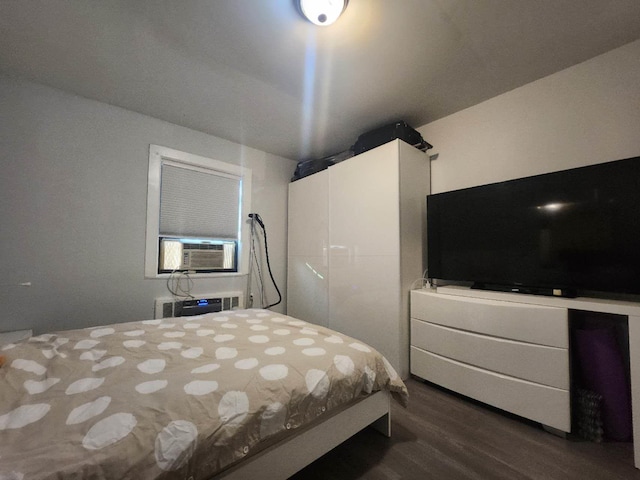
572,232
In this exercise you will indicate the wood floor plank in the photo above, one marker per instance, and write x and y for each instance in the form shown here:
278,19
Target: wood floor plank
443,436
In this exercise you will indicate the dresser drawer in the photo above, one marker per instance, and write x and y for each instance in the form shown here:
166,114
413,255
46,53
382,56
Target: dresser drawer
547,405
528,361
516,321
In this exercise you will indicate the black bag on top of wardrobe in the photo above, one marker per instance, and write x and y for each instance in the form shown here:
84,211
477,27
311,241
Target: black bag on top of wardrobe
305,168
365,142
385,134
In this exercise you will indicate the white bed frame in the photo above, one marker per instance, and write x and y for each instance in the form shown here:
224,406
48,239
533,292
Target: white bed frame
310,444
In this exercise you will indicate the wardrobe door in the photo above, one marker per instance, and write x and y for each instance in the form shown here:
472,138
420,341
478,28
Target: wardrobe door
308,240
364,284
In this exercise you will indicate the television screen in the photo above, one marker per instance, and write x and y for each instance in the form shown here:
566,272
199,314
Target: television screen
575,230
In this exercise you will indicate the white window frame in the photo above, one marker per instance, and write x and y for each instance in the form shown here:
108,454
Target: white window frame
159,154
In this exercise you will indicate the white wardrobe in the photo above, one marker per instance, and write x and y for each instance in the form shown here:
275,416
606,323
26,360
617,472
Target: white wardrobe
356,235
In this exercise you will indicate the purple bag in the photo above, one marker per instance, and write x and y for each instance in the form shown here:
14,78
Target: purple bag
602,368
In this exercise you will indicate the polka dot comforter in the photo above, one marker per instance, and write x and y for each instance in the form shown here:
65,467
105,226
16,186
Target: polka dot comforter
173,398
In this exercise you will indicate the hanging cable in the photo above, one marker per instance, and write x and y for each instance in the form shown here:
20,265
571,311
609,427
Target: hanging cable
259,277
174,284
256,217
249,296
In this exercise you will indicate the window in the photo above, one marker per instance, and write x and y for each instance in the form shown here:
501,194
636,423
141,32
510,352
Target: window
195,211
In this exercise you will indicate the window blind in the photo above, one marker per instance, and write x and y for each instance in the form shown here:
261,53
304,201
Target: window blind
198,203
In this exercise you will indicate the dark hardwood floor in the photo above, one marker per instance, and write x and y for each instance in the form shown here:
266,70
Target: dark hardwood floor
444,436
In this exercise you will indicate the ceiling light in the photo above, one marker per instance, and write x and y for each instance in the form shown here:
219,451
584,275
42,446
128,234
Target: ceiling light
322,12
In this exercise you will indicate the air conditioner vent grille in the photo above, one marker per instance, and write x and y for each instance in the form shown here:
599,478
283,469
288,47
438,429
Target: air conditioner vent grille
202,246
203,303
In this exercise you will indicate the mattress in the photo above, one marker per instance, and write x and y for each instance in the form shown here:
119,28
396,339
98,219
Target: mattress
174,398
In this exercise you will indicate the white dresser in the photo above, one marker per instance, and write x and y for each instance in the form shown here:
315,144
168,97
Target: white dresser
513,356
510,350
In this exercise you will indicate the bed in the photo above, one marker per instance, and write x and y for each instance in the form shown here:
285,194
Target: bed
222,395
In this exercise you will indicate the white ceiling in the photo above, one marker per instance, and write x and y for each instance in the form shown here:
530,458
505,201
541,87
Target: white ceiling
254,72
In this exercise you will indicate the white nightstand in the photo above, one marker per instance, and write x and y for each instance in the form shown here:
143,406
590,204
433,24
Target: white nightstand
15,336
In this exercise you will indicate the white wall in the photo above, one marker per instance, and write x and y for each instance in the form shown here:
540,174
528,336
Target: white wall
586,114
73,194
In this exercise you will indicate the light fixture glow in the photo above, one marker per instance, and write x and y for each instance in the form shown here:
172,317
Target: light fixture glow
322,12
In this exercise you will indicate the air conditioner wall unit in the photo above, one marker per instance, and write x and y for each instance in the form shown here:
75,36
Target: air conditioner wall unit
178,254
197,258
